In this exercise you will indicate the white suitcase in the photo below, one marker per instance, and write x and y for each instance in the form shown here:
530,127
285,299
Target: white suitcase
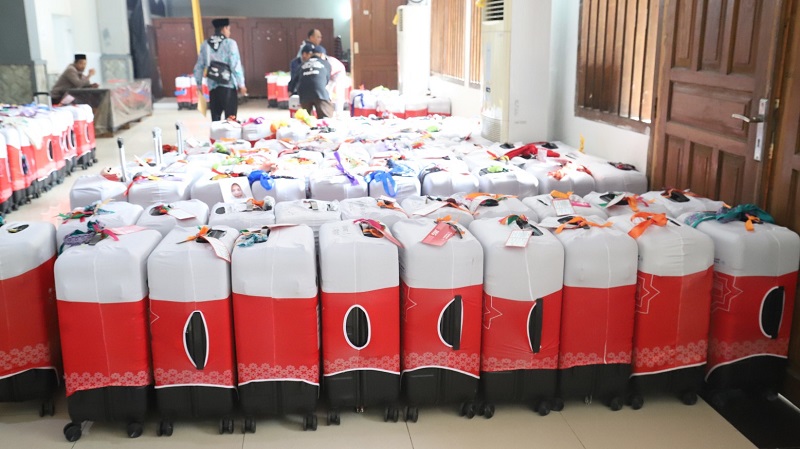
506,180
313,213
623,203
543,206
243,215
483,205
192,213
679,202
281,185
253,131
111,215
329,184
224,129
438,207
385,211
444,178
88,189
552,175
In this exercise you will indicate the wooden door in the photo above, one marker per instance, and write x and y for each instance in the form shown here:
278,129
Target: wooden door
269,52
374,43
175,49
784,185
716,60
301,28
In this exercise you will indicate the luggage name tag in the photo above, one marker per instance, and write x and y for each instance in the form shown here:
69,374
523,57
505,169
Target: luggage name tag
519,238
180,214
441,233
219,248
429,209
563,206
124,230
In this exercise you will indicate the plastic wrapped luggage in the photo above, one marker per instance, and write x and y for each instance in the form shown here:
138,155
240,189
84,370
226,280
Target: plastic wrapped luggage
442,305
522,289
255,129
21,167
438,207
192,329
313,213
755,279
252,214
82,119
543,206
623,203
611,176
225,129
281,185
679,202
444,178
673,305
384,210
554,174
186,91
29,344
336,183
112,215
275,310
272,89
486,205
396,179
103,316
599,301
6,183
164,217
360,302
506,180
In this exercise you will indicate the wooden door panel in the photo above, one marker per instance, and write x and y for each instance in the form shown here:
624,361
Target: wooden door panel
375,39
270,52
176,50
710,109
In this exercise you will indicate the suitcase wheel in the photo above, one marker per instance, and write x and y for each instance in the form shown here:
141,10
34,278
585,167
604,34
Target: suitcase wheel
249,425
558,405
164,429
689,398
310,422
543,408
636,401
412,414
135,429
225,426
47,408
333,418
486,410
391,413
72,432
616,404
468,409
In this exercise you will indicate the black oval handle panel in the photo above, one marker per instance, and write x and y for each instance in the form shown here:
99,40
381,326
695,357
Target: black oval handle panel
772,312
450,323
195,335
357,327
535,318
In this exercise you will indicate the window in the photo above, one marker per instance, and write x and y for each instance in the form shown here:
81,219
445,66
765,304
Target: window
456,30
617,61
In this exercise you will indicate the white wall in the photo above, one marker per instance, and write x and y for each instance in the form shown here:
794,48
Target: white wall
466,101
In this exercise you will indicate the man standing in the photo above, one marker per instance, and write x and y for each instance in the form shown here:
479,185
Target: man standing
72,78
219,55
314,38
310,81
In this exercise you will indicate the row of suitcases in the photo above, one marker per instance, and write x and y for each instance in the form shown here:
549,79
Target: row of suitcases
530,312
39,146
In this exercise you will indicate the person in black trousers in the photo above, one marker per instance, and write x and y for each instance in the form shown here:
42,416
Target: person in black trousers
220,48
310,80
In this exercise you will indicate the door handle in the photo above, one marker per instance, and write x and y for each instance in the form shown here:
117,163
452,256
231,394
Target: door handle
746,119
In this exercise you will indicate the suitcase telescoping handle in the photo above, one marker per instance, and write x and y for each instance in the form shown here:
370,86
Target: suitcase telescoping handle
122,166
36,96
535,325
179,134
157,149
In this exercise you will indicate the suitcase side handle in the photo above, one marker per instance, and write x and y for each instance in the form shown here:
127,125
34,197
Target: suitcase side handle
535,319
450,321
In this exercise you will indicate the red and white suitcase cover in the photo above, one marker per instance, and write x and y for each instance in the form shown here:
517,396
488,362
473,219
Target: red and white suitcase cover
361,272
431,279
20,180
160,188
112,215
553,175
419,206
80,116
329,184
90,188
543,206
673,296
512,181
484,205
599,298
102,312
275,308
309,212
289,185
675,209
151,218
631,203
453,177
439,106
225,129
242,215
515,282
5,172
29,329
387,212
179,289
752,269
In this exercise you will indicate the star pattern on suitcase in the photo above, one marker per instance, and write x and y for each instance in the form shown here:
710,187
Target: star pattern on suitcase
490,313
723,351
194,377
265,371
494,364
645,292
665,357
571,360
409,304
390,363
16,360
87,381
724,292
461,361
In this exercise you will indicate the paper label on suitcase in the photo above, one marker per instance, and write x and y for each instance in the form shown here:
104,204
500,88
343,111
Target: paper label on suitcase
596,326
361,331
563,207
429,209
519,239
180,214
177,360
428,312
123,230
750,316
520,335
104,345
276,339
671,321
29,331
440,234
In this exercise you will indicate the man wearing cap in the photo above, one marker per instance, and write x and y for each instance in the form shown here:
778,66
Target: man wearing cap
72,78
310,81
221,54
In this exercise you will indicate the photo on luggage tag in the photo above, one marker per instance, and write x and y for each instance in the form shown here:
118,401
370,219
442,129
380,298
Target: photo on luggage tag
235,190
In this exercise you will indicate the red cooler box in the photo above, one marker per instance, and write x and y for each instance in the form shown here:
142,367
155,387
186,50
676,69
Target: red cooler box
442,306
755,279
522,288
102,312
360,317
275,309
599,302
673,305
191,326
29,346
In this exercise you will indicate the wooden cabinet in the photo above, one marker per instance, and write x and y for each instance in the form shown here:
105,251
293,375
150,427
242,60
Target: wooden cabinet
265,44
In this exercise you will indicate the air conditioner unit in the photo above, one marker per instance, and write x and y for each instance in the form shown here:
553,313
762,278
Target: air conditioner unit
413,49
515,40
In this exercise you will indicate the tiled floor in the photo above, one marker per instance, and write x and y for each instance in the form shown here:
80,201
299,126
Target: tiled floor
662,423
